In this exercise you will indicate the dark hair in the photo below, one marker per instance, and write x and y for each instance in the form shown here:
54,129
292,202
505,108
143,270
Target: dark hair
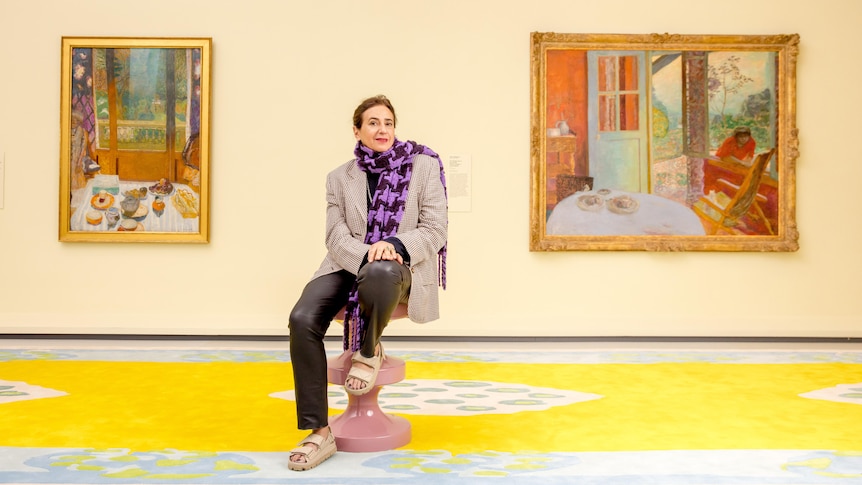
379,100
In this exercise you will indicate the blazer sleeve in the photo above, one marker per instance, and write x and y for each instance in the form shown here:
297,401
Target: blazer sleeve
425,238
344,234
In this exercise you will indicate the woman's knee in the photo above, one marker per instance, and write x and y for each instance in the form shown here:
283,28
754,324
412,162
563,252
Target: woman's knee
304,321
380,272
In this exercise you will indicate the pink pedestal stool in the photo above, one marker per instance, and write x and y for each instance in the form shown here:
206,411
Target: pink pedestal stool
363,426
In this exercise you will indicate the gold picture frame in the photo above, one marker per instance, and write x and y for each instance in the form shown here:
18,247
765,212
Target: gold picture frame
134,139
663,142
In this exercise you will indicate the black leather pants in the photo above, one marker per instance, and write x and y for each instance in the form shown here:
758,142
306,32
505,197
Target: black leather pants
382,285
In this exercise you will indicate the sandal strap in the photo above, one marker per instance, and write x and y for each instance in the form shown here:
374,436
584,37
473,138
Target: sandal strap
369,361
363,375
314,439
315,448
305,451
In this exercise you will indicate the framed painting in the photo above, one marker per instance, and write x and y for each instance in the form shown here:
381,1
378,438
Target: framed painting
134,139
663,142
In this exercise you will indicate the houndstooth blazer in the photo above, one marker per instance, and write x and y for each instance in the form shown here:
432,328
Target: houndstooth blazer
423,229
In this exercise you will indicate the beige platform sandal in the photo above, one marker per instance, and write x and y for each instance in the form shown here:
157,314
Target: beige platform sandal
369,377
325,447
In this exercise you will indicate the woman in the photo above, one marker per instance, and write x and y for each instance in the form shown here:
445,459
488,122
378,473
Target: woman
386,229
738,147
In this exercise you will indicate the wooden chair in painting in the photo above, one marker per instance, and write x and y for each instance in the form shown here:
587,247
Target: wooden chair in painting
363,426
736,200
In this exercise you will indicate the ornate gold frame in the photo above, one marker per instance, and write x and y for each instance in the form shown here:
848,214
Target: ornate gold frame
785,47
175,158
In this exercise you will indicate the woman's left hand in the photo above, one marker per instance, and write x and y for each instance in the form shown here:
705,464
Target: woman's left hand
382,250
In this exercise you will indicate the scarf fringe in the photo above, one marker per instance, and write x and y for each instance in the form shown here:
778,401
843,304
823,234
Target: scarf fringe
441,268
352,330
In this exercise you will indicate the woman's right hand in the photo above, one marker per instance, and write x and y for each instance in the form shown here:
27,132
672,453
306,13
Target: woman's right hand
382,250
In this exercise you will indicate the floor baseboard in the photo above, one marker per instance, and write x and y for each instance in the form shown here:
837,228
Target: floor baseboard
501,339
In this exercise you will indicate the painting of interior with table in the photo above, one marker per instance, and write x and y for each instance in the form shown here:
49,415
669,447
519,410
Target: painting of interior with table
661,142
135,135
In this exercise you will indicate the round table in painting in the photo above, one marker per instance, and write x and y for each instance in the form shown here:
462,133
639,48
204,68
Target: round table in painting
612,213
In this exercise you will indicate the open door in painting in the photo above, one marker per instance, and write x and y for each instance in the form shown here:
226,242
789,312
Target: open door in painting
618,136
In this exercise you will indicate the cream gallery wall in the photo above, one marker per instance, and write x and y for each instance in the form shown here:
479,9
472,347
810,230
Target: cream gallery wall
286,77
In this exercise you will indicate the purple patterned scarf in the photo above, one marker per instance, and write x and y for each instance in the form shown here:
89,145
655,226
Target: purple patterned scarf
395,167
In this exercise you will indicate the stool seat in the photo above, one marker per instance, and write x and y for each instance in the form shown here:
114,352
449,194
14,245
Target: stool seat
363,426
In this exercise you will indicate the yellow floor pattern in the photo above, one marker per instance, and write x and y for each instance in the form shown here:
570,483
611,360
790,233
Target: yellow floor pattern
227,406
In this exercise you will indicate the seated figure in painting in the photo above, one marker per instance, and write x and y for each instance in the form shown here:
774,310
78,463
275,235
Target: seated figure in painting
739,147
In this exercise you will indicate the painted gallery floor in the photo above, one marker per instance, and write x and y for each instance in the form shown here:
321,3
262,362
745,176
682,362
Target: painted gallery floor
615,413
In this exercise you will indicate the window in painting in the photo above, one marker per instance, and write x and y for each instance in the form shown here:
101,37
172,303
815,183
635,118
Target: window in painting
618,87
146,90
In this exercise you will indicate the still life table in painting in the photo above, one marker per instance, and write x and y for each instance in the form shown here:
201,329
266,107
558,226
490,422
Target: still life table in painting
171,207
605,212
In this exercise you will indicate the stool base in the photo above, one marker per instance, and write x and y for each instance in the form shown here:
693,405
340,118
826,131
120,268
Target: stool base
363,426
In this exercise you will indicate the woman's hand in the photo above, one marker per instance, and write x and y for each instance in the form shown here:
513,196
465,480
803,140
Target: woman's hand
382,250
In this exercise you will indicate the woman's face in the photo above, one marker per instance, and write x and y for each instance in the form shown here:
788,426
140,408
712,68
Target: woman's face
742,138
378,128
